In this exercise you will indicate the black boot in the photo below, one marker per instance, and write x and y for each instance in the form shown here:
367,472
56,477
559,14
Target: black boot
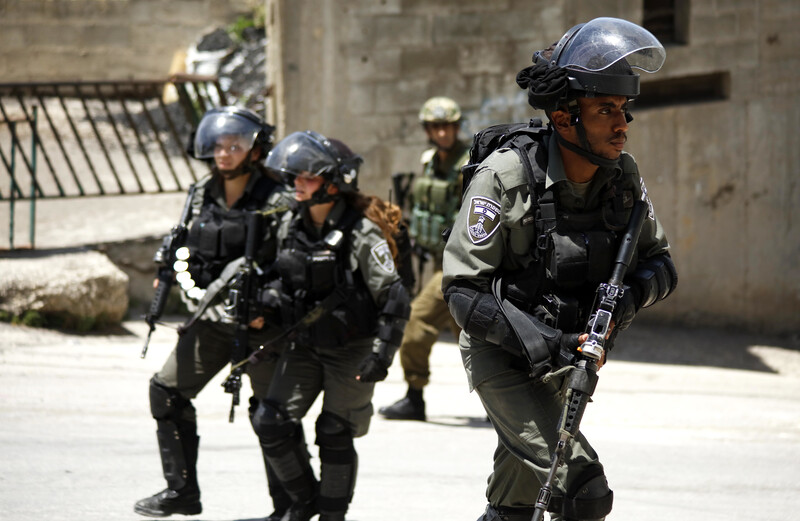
301,511
280,499
178,443
169,502
411,407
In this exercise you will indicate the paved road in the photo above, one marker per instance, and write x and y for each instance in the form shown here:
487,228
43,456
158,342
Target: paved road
716,438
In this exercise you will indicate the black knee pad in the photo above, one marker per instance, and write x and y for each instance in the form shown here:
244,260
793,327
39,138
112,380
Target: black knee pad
589,498
333,432
166,403
271,424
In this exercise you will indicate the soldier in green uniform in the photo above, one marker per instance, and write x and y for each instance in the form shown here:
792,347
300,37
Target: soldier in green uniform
436,198
236,141
337,277
540,241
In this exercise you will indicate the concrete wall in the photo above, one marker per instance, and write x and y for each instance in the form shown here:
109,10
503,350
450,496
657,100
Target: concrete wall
63,40
723,175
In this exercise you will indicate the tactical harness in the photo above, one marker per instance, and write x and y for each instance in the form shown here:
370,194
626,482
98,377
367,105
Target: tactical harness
571,250
217,236
317,270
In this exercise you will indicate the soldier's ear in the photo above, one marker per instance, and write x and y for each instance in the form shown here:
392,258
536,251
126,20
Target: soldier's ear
560,120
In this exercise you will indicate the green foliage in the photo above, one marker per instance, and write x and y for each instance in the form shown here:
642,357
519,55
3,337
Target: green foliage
61,320
255,19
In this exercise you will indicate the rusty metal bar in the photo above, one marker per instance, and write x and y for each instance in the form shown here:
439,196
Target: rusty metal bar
80,142
186,103
201,97
46,156
15,140
177,138
142,146
32,215
113,122
14,187
164,152
10,167
60,144
81,97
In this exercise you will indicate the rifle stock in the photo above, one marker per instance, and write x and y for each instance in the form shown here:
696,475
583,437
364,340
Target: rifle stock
583,378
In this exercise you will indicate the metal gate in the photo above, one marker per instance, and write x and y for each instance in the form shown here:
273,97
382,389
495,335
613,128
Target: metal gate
103,137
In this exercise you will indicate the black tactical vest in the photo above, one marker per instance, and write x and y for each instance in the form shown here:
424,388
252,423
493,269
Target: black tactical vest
217,236
310,269
574,252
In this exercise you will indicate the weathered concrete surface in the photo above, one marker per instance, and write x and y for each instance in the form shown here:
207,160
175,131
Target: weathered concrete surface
712,439
75,283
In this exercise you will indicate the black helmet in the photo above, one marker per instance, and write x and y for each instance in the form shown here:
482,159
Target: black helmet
591,59
310,151
231,121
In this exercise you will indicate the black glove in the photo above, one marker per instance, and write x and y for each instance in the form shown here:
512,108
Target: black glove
626,309
373,369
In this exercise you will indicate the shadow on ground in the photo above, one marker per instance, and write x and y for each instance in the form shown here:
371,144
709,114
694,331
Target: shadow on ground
712,347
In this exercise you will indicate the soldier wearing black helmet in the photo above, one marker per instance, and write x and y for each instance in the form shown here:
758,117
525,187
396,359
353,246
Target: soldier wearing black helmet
434,204
340,295
537,232
235,141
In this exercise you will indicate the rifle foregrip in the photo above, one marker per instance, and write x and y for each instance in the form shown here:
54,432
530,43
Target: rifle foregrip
160,297
628,243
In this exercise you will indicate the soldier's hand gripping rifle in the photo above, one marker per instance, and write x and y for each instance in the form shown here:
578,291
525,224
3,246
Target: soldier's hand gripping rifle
237,308
165,258
583,378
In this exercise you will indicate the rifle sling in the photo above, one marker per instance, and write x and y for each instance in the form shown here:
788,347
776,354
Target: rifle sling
213,289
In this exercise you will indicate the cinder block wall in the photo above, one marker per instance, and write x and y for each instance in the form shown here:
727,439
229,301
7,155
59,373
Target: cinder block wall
723,175
64,40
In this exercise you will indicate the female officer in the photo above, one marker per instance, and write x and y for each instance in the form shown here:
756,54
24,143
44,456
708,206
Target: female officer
338,279
237,140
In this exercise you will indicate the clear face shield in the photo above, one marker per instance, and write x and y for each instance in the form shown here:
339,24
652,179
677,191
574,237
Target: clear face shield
226,130
300,152
602,42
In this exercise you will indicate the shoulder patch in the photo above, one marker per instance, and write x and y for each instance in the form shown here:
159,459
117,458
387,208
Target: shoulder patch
383,256
483,219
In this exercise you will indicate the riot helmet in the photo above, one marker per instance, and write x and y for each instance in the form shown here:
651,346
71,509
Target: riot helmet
440,109
311,152
595,58
244,128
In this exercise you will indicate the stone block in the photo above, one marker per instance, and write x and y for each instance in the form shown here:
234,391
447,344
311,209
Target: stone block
373,64
79,285
443,60
393,31
403,95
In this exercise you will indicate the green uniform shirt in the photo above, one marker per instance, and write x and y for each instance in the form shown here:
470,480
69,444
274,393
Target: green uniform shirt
495,230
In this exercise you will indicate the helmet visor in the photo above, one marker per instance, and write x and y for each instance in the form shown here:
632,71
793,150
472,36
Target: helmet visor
603,42
224,129
300,152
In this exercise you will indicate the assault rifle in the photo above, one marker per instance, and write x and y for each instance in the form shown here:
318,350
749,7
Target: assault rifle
583,377
165,258
237,307
401,185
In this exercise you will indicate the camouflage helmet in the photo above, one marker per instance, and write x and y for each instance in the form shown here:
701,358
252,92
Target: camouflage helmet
440,109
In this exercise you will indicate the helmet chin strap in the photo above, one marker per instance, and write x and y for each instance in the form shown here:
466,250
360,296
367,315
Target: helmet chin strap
585,149
321,196
245,167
